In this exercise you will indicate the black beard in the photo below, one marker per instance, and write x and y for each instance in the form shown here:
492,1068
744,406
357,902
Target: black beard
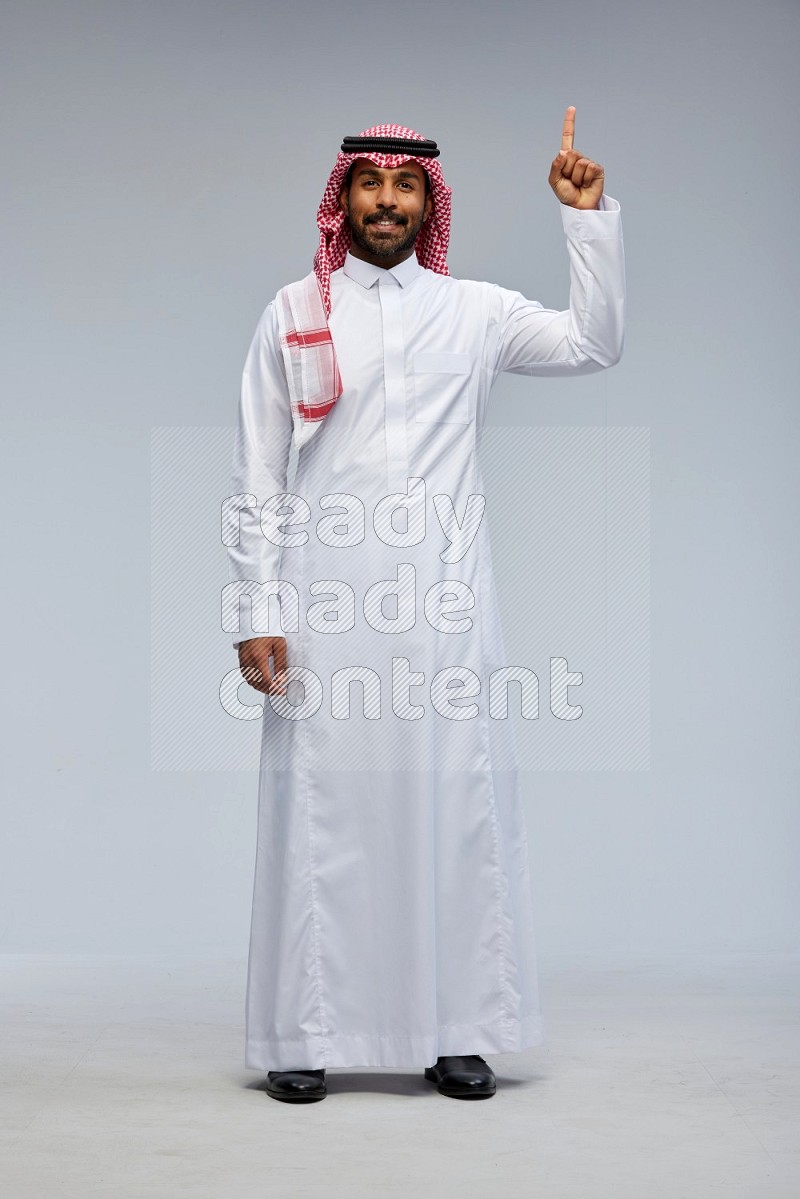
381,248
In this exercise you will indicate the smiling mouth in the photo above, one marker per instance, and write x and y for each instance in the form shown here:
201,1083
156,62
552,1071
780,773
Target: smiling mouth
384,224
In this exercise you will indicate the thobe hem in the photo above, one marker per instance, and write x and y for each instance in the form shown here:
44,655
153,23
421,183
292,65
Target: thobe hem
319,1052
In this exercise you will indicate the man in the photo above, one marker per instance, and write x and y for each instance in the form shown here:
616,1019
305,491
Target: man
392,918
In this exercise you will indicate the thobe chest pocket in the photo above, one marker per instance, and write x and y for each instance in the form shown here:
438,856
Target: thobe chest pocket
441,388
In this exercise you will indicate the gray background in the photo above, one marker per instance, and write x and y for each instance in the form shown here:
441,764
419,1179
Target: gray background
162,167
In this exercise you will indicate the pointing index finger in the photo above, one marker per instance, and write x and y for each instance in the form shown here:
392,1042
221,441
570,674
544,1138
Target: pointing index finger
568,132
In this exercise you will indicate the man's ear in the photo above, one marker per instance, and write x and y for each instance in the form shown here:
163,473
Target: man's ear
428,209
344,199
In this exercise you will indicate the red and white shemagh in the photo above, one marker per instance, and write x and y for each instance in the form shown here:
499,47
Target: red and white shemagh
334,230
303,308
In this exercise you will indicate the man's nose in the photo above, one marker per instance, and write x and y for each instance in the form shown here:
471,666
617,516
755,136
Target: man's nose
386,197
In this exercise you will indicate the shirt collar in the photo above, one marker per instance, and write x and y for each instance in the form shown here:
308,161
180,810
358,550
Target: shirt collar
366,273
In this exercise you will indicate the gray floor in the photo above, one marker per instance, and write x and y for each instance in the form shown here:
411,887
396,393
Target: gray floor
677,1077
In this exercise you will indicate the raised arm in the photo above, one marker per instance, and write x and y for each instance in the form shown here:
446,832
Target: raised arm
529,339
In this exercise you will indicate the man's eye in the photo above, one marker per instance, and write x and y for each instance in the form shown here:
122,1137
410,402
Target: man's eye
369,182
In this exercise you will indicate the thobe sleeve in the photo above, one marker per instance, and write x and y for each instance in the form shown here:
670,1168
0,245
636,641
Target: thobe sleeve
260,462
528,339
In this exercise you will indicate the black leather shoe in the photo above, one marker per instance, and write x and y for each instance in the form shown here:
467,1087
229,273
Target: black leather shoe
297,1086
463,1077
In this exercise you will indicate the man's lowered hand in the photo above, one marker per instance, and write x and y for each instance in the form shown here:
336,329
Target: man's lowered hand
254,657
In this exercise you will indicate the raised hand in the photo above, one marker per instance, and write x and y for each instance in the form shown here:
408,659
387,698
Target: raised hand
576,180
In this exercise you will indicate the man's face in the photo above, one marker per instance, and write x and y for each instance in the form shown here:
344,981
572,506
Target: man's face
385,210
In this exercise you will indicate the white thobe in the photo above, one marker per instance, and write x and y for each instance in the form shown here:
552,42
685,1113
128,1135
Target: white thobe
392,912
